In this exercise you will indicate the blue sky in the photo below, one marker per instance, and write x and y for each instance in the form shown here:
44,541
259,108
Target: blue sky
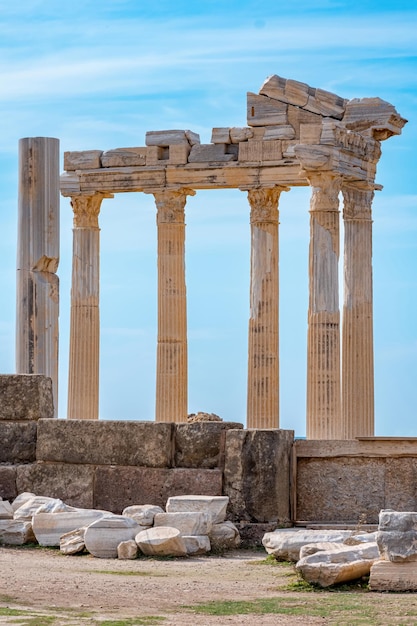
99,75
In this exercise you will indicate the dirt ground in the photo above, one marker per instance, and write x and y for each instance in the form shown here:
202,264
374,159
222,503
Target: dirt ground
42,586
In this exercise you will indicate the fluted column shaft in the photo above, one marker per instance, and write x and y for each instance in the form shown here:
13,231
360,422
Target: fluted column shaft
357,325
263,348
171,361
323,341
83,381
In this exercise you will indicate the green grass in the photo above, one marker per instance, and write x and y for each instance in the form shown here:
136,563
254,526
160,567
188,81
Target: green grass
272,561
150,620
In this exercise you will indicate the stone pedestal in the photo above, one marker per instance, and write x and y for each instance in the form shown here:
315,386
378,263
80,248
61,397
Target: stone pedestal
357,329
323,341
83,380
37,259
171,362
263,354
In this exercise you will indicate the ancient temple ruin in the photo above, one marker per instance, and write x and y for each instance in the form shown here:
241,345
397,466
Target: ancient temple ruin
296,136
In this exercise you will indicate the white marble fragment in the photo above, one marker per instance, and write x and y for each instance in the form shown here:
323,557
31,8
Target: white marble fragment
285,543
224,536
104,535
21,499
188,523
127,550
6,511
72,542
49,527
197,544
143,514
215,505
397,535
28,509
16,532
161,541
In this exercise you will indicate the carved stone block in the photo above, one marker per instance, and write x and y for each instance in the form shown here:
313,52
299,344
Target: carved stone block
25,397
86,160
204,153
201,444
124,157
264,111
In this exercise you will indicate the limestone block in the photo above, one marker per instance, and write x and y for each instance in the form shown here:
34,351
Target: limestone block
326,103
127,550
264,111
18,442
339,565
71,483
155,154
29,508
259,458
204,153
104,535
72,542
50,527
124,157
373,114
197,544
146,444
188,523
224,536
86,160
271,150
312,548
401,484
274,87
25,397
201,444
21,499
165,138
297,117
16,532
310,133
388,576
397,536
6,511
255,150
216,506
143,514
285,131
8,482
220,135
285,543
355,485
178,154
161,541
288,149
240,134
118,487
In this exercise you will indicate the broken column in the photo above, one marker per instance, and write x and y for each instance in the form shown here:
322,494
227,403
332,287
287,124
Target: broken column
263,357
357,330
323,340
171,361
37,259
83,377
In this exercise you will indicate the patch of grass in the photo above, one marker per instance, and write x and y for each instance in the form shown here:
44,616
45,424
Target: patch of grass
271,560
149,620
299,584
127,573
6,611
37,620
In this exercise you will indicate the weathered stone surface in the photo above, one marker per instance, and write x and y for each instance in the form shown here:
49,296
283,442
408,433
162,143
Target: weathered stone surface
197,544
16,532
216,506
127,550
143,514
397,536
21,499
204,153
264,111
256,474
50,527
72,542
355,485
124,157
201,444
71,483
189,523
86,160
6,511
285,543
312,548
224,536
251,534
220,135
341,564
27,510
161,541
380,117
401,484
145,444
240,134
8,488
118,487
18,442
358,538
388,576
104,535
165,138
25,397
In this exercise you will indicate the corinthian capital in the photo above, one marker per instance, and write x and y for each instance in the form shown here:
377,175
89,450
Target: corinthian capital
86,210
171,204
325,190
264,204
357,203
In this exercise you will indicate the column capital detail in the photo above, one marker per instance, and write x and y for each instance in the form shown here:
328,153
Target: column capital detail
357,202
171,204
325,190
264,203
86,210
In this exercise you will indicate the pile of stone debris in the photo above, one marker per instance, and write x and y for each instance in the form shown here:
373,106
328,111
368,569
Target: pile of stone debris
330,557
191,525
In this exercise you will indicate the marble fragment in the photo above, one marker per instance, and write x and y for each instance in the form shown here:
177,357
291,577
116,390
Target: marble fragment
49,527
104,535
127,550
6,510
16,532
224,536
72,542
215,505
188,523
285,543
143,514
161,541
196,544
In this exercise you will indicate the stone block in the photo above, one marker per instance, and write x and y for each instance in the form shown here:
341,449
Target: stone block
145,444
387,576
310,133
241,134
255,150
374,115
16,533
18,442
124,157
86,160
118,487
284,131
50,527
216,506
103,536
397,536
401,484
196,544
165,138
71,483
36,504
257,474
220,135
201,444
264,111
285,543
224,536
204,153
73,541
127,550
342,489
8,489
161,541
143,514
155,154
25,397
188,523
178,154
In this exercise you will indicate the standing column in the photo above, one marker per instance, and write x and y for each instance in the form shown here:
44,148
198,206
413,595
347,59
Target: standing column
357,330
83,381
323,340
171,361
37,303
263,350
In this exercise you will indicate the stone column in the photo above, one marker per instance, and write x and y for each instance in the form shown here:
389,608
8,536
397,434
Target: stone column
83,380
171,361
323,340
37,306
357,329
263,349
